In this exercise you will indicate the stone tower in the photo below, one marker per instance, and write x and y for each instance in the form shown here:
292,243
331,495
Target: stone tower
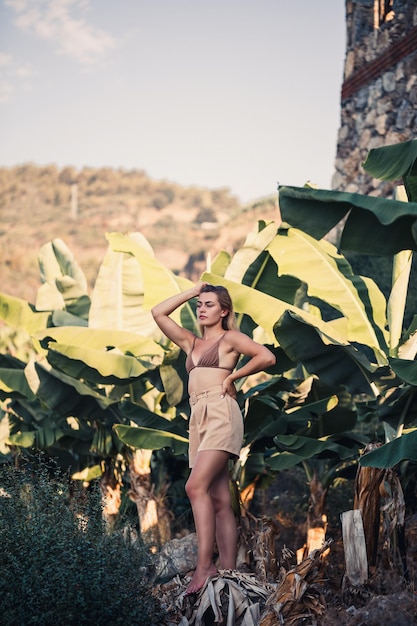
379,91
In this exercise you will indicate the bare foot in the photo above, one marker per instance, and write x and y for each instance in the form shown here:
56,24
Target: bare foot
199,579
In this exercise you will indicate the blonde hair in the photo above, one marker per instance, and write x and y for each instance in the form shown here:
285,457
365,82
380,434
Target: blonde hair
225,301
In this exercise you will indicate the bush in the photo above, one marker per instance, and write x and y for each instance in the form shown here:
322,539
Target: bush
58,564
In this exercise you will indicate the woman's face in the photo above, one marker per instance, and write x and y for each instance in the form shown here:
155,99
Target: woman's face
209,311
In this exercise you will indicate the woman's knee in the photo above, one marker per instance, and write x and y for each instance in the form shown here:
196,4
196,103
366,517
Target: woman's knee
193,488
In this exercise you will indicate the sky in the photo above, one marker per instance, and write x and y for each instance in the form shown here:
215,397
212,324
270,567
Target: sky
243,94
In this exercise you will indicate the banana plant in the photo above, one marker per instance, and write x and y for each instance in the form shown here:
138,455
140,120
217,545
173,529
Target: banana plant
375,226
264,278
67,399
384,227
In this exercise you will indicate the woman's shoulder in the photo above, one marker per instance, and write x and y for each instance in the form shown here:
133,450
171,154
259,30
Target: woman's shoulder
232,336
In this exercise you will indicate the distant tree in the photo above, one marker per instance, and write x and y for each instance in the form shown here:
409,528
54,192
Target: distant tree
205,215
159,201
68,175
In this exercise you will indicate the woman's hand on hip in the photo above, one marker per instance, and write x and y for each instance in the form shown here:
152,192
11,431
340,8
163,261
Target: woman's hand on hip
229,388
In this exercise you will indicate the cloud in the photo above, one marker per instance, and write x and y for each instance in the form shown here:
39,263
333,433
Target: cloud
59,22
13,76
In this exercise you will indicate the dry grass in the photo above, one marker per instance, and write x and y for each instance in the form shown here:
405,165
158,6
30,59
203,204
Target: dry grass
35,207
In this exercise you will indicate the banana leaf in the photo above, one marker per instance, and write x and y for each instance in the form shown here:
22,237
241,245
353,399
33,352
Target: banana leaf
151,439
295,449
405,369
330,278
144,417
263,419
23,439
61,393
174,380
256,242
100,356
101,340
88,473
390,454
373,225
335,363
220,263
13,384
64,318
64,283
17,313
266,310
158,282
96,366
118,295
395,162
56,260
252,265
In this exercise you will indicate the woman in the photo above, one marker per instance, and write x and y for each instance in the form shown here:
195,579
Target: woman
216,425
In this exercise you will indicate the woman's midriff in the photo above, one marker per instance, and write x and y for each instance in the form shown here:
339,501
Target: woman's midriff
202,378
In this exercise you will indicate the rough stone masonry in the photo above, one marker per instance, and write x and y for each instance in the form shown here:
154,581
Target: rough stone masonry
379,91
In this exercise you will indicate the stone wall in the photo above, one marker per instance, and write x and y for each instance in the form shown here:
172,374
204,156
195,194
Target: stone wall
379,92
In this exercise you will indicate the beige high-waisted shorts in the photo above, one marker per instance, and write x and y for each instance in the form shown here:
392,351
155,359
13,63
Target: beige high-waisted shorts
216,423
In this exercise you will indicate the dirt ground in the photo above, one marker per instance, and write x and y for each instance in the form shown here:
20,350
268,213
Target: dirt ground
389,597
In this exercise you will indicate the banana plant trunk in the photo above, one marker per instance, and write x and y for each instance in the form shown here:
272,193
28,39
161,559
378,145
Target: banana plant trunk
316,517
111,495
154,517
368,501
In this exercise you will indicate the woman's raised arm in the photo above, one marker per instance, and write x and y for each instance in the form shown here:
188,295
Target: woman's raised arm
161,312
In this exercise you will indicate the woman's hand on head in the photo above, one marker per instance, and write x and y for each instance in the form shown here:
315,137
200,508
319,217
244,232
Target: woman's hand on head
199,286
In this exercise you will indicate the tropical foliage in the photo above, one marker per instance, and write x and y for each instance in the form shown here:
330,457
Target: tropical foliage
383,227
104,383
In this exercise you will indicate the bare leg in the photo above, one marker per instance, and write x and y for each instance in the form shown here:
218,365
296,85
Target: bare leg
226,529
209,465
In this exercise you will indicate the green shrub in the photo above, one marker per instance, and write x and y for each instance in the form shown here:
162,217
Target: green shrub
59,566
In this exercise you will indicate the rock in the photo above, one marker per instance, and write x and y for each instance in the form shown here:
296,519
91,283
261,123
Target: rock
178,556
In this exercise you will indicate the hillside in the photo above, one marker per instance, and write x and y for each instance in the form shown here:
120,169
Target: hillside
182,224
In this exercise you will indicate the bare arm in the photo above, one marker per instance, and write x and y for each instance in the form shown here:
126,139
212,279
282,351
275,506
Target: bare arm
260,359
161,312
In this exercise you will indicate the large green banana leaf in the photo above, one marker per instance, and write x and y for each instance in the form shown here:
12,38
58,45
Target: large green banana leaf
95,366
63,318
118,295
256,242
330,278
151,439
158,282
61,393
100,356
395,162
405,369
17,313
56,260
174,380
263,419
336,363
102,340
295,449
148,419
266,310
220,263
373,225
400,449
13,382
269,422
252,265
64,283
